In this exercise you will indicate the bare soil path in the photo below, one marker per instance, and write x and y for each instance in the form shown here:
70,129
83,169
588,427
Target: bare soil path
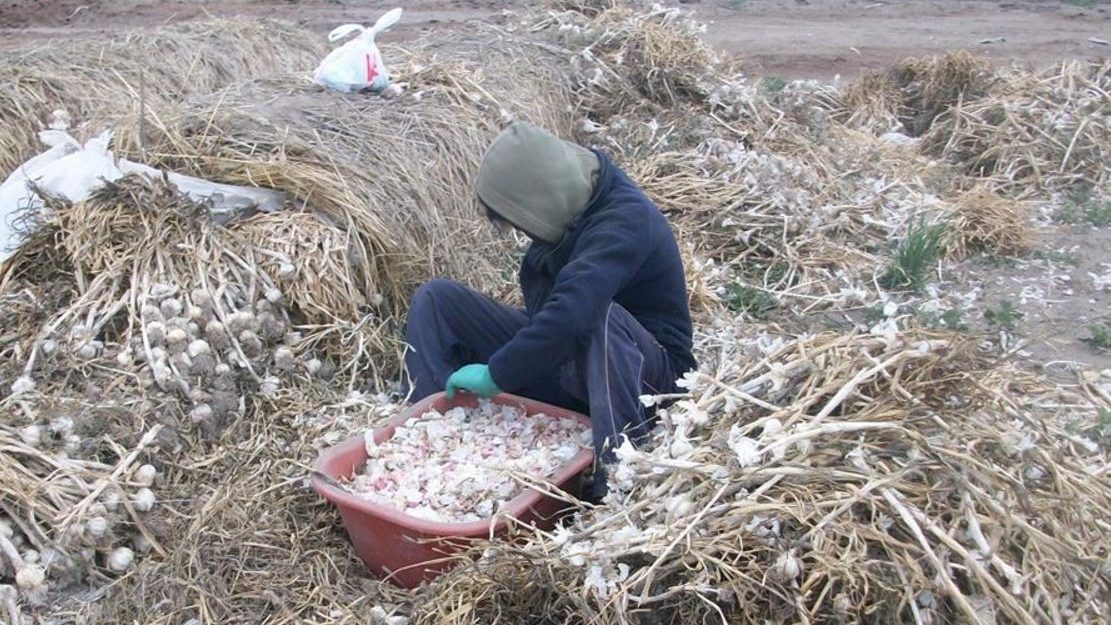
817,39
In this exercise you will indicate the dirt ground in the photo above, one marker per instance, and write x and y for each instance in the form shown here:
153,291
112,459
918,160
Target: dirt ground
1059,300
818,39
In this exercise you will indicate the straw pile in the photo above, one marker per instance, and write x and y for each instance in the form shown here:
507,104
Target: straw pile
908,97
363,166
1032,131
95,81
888,477
981,221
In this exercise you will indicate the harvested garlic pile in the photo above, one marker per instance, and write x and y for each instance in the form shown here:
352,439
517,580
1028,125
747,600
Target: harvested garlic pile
458,466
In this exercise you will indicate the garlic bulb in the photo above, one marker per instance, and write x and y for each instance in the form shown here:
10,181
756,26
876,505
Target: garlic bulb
110,499
273,295
125,359
144,475
150,313
49,346
287,271
156,333
200,413
29,577
176,339
170,308
196,314
217,335
284,359
201,299
71,444
270,385
250,343
31,556
97,527
787,567
31,435
61,425
141,543
89,350
313,366
121,559
144,500
22,386
198,347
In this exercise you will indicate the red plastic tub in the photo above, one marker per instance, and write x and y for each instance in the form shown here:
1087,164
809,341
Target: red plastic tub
408,550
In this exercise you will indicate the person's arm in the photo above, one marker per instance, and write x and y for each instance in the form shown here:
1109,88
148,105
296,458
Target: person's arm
605,257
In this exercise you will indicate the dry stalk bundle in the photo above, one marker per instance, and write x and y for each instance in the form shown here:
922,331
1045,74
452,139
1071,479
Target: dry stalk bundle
625,59
100,81
67,519
883,477
1033,131
934,84
980,220
908,97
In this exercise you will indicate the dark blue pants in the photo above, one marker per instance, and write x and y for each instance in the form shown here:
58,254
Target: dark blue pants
450,325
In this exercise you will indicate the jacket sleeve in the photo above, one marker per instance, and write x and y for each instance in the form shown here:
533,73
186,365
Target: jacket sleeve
605,257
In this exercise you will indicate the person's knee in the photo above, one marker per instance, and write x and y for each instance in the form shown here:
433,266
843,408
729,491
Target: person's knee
433,290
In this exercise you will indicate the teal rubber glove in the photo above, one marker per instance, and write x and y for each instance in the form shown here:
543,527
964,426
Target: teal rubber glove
473,378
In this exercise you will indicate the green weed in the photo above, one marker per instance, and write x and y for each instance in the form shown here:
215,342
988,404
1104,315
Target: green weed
744,299
1100,433
1005,317
1057,257
1084,206
1101,337
914,257
950,319
1084,4
773,84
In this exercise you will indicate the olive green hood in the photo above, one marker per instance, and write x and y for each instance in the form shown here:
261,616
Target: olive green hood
536,181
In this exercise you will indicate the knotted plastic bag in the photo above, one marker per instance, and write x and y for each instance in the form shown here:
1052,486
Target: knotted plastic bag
357,64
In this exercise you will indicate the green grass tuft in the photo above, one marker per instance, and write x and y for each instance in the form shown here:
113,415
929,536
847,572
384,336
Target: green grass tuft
1101,337
1005,317
744,299
914,258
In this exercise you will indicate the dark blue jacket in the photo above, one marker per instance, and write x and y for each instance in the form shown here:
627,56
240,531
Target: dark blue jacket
621,249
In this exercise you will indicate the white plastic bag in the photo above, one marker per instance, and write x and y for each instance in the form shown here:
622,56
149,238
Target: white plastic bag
357,64
74,171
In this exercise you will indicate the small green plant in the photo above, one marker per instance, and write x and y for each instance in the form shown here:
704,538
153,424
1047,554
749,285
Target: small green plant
1101,337
773,84
737,5
1057,257
1084,4
953,319
914,257
874,315
749,300
1084,206
1005,317
1099,433
949,319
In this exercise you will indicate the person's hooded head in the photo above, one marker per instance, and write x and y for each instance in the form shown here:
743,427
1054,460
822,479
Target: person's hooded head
536,181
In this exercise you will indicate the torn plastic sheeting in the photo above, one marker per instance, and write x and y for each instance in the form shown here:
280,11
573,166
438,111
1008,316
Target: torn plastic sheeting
74,171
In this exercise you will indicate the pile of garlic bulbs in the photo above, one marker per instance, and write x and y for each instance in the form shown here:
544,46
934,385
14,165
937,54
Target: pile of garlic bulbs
460,466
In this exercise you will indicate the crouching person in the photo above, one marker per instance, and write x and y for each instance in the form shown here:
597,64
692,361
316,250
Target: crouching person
606,317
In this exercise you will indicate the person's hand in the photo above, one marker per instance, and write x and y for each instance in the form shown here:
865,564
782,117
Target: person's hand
473,378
